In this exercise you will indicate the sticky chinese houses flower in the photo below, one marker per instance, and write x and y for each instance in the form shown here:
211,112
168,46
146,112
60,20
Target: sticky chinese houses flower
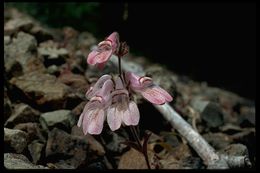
104,51
109,98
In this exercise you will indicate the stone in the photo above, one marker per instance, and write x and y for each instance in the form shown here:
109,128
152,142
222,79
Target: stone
218,140
53,56
53,69
19,161
17,139
235,150
7,108
95,148
42,89
20,56
63,146
56,118
32,129
77,82
23,113
210,112
133,159
18,24
35,148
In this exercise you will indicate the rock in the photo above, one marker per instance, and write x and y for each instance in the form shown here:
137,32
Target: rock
7,108
218,140
247,116
133,159
63,146
79,109
210,112
19,161
86,40
57,118
23,113
52,55
35,148
113,141
53,70
41,33
42,89
32,129
7,40
77,82
95,148
20,56
18,24
235,150
17,139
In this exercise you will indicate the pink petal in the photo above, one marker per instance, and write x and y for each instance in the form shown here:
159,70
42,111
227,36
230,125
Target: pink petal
153,95
99,56
86,120
119,83
114,38
166,95
95,125
82,115
136,82
132,115
98,85
114,118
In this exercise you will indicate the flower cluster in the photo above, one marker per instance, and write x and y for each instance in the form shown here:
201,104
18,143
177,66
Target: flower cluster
111,98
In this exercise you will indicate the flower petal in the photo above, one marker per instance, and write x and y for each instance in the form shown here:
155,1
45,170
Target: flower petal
153,95
114,38
132,115
95,125
100,55
114,118
98,85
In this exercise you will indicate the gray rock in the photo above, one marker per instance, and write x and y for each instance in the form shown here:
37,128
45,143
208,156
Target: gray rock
95,148
210,112
20,55
63,146
32,129
23,113
235,150
17,139
18,24
53,69
54,118
7,108
35,148
44,89
19,161
218,140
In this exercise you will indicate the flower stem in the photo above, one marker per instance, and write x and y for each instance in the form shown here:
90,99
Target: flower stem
133,130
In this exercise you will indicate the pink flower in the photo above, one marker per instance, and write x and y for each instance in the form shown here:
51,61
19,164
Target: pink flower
104,51
122,109
93,115
144,85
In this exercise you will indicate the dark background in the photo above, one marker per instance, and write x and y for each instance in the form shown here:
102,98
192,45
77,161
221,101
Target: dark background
213,42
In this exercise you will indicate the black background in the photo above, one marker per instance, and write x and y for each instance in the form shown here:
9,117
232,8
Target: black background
213,42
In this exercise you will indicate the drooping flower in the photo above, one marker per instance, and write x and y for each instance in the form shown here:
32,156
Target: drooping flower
104,51
122,110
93,115
150,91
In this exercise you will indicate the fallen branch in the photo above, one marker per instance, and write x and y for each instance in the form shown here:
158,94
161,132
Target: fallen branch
196,141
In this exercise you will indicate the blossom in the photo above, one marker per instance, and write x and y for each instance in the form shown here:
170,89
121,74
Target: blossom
93,115
150,91
122,109
104,51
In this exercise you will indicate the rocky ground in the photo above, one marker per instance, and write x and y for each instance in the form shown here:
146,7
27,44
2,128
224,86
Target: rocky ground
45,80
